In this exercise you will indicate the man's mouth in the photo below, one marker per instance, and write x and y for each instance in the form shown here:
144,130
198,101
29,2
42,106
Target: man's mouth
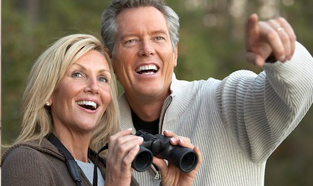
90,105
147,69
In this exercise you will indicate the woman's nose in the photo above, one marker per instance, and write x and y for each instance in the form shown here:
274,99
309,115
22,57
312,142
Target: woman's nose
92,86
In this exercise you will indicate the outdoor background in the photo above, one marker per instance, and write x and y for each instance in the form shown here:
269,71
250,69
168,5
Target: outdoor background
211,45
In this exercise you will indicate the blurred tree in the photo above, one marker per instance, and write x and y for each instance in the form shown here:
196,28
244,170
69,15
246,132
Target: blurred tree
211,45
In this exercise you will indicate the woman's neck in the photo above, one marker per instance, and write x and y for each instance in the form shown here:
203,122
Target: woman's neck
76,144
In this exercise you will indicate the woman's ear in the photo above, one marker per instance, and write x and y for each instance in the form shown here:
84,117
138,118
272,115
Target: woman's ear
49,102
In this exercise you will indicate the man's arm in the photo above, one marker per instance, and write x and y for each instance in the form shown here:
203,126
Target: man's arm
261,110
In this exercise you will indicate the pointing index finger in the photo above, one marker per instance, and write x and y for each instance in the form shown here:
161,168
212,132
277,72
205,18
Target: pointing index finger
252,25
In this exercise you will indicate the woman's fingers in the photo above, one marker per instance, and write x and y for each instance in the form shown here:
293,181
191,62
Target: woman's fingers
123,148
129,157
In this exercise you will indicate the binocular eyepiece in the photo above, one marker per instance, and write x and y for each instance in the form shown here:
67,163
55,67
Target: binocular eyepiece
159,145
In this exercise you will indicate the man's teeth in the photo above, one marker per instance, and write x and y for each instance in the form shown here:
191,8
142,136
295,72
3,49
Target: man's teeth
147,69
87,104
150,72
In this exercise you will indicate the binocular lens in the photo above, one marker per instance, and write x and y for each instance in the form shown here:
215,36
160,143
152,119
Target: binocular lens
143,160
188,162
159,146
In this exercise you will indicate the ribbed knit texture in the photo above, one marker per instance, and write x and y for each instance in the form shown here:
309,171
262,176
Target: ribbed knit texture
237,122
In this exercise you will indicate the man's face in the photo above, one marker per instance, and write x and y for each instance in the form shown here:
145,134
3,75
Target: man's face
143,58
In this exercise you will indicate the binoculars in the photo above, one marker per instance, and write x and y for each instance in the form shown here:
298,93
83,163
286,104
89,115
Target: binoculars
159,145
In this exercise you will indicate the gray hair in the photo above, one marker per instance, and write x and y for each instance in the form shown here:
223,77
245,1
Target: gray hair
109,26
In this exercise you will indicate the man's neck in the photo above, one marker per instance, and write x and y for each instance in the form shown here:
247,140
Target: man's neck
146,109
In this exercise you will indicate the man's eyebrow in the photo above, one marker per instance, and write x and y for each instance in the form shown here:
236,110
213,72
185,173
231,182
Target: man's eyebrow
155,32
128,35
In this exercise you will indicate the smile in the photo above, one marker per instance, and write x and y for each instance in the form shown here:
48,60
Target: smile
147,69
88,105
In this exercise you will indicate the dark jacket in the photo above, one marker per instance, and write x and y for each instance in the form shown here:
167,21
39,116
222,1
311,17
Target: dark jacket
41,165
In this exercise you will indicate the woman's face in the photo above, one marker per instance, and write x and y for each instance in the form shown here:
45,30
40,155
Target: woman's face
83,94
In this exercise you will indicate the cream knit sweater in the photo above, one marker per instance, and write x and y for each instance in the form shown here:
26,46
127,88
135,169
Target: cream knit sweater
237,122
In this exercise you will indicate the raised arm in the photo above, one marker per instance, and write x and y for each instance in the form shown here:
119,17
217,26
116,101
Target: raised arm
261,110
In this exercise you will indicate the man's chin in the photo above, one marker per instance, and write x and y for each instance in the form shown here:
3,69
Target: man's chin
150,91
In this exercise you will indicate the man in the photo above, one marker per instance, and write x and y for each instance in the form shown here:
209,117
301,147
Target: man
237,122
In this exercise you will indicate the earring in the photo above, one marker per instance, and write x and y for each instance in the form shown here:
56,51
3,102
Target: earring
48,104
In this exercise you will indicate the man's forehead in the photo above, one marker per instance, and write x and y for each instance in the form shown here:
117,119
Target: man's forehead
135,18
150,14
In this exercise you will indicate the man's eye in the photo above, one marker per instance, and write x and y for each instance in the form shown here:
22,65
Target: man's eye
130,41
159,38
77,75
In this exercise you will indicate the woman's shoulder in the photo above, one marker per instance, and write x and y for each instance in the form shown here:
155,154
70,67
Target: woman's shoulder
30,151
24,164
26,152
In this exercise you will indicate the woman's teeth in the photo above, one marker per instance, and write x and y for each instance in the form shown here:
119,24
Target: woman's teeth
88,104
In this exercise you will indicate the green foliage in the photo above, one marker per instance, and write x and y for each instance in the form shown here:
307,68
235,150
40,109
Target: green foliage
211,45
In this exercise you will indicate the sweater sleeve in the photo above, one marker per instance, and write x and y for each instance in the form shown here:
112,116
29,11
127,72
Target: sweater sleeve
261,110
25,166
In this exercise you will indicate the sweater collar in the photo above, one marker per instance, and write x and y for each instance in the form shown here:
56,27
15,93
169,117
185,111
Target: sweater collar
125,110
174,86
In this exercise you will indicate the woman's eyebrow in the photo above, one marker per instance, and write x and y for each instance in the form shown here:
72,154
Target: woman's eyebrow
84,68
80,66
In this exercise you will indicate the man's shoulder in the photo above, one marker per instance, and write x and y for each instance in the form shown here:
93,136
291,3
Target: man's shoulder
182,86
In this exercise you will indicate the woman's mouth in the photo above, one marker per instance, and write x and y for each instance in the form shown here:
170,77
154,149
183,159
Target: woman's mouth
90,105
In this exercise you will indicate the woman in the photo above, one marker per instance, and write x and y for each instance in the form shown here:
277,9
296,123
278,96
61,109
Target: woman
69,112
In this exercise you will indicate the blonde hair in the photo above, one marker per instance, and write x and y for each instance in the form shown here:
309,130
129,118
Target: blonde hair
46,74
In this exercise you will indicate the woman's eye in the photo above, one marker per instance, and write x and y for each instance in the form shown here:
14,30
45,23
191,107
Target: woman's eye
103,79
77,75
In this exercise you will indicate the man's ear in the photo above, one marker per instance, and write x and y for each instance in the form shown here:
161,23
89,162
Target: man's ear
108,51
175,56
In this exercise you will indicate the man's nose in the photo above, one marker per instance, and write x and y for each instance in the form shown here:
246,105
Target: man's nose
146,48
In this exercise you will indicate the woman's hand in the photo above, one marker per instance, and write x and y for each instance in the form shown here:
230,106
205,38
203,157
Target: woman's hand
123,148
170,174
